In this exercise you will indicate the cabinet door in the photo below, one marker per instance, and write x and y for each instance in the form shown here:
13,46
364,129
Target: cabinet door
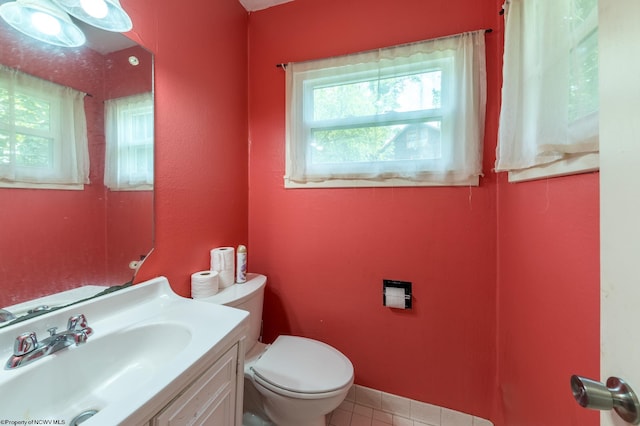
210,400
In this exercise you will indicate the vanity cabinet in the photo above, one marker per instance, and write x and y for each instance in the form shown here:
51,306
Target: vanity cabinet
154,358
211,399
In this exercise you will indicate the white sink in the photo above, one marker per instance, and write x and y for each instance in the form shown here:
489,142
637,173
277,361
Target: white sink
145,342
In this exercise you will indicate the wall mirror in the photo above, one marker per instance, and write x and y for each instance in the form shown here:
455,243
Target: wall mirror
60,240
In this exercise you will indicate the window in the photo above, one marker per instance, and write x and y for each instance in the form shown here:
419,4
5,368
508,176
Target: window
550,104
410,115
43,136
129,138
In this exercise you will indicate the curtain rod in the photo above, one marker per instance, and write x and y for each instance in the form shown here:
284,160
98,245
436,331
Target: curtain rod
284,65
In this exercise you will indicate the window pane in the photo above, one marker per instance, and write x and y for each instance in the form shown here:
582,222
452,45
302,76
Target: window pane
583,90
34,151
4,106
377,96
140,161
415,141
142,128
32,112
583,8
5,149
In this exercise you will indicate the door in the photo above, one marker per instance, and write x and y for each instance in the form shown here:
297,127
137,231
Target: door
619,45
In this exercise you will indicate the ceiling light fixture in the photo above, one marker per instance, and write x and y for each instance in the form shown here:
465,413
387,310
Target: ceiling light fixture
43,21
106,14
95,8
47,21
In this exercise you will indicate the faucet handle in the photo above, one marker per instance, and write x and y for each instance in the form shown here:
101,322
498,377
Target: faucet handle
80,328
25,343
82,335
77,323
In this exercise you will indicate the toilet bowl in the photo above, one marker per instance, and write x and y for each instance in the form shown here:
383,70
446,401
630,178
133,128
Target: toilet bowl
294,381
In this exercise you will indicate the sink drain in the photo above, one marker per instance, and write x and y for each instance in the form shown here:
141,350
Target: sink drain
82,417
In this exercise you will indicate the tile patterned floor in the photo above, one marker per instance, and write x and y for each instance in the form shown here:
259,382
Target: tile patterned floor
352,414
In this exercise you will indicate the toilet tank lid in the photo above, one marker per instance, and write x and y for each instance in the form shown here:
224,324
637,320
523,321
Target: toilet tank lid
302,365
237,293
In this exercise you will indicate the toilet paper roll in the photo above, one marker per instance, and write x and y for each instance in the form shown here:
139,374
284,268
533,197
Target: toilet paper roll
223,262
204,284
394,298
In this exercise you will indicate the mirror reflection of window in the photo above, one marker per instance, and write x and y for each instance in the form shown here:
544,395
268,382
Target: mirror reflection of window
129,138
43,133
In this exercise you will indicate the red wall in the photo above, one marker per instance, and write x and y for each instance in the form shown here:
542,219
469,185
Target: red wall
549,298
548,289
502,273
326,251
201,131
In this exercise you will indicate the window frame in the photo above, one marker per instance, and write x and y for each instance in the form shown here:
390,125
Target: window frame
571,163
354,173
443,65
22,84
126,106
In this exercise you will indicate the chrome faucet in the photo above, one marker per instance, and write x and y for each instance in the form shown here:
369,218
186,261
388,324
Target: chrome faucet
6,315
27,349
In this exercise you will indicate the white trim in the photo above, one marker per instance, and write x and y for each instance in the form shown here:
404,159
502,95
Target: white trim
361,183
135,188
582,164
394,409
24,185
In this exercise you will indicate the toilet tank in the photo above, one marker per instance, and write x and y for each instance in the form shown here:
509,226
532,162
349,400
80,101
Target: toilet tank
247,296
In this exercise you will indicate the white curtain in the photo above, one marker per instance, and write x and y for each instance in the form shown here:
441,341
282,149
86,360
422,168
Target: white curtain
542,118
459,120
43,131
129,143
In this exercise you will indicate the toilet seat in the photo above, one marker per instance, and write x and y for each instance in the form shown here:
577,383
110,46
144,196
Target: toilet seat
304,368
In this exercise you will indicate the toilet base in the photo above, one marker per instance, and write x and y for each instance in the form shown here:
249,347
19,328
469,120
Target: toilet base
298,416
250,419
321,421
257,414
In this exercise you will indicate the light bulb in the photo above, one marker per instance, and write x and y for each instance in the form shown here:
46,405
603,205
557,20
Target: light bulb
45,23
96,8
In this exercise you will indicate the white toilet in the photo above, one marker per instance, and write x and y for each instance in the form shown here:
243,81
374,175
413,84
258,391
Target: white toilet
295,381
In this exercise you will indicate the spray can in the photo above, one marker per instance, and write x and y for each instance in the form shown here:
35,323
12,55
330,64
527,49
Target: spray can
241,268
